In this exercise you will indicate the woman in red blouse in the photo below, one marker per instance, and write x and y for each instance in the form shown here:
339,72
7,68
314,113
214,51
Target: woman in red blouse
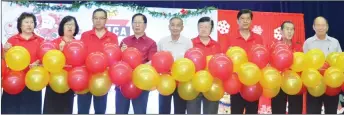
295,102
26,102
56,103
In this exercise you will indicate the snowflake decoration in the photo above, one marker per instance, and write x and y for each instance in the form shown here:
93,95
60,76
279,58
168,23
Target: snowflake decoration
223,27
278,33
257,29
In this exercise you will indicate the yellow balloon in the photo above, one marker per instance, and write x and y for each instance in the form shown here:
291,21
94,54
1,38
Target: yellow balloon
186,91
238,57
183,69
339,61
145,77
17,58
315,58
58,82
270,93
216,91
271,78
298,62
54,61
100,84
202,81
37,78
167,85
208,59
249,74
318,90
332,58
291,82
82,92
333,77
311,77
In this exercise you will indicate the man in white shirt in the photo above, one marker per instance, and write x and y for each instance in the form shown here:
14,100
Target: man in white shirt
177,45
327,44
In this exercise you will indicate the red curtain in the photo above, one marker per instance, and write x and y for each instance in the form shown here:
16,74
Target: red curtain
267,24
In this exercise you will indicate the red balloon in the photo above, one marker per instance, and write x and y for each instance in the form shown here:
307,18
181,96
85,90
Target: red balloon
251,93
4,69
75,53
332,91
232,85
220,66
78,79
343,87
324,68
112,52
259,55
14,83
162,61
197,56
120,73
130,91
279,45
45,46
132,56
96,62
282,59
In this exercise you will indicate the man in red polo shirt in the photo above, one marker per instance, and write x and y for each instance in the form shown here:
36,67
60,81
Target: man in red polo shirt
148,48
210,47
245,39
94,41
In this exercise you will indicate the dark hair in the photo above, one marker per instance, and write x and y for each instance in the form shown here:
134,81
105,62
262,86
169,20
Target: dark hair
99,10
244,11
282,25
177,18
22,17
206,19
64,21
139,14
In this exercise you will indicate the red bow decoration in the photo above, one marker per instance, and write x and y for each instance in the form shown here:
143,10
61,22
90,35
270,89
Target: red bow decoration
183,11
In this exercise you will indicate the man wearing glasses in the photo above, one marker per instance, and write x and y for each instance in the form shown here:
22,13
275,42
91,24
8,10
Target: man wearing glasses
148,48
94,41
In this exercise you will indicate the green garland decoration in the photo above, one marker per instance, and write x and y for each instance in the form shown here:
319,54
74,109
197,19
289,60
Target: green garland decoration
131,6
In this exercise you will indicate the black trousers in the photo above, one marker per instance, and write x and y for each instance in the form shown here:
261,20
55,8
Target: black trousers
26,102
55,103
238,104
314,104
165,104
84,103
278,103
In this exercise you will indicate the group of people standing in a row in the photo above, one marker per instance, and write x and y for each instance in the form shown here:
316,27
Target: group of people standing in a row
30,102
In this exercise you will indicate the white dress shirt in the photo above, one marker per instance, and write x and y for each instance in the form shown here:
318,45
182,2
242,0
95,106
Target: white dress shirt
176,47
328,45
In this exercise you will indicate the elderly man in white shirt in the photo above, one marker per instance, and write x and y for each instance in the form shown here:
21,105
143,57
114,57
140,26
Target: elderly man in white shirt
327,44
177,45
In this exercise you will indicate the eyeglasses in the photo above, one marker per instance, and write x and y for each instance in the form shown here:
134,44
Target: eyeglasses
102,18
138,23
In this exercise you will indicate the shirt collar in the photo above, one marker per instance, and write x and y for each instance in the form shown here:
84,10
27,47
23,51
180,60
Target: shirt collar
198,41
249,38
142,37
326,38
176,41
33,37
93,32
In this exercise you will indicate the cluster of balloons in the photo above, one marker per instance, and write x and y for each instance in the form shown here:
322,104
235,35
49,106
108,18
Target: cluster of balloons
260,71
